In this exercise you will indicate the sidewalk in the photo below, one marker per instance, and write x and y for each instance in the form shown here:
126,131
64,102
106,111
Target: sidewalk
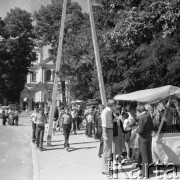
81,162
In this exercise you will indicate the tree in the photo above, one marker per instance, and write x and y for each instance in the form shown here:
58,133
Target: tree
138,42
16,52
160,62
75,45
142,36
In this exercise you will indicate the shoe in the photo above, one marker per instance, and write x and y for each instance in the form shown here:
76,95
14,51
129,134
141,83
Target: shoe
67,149
100,155
41,149
143,177
37,146
33,141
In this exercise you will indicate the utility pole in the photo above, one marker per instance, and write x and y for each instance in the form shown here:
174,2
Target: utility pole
97,56
58,63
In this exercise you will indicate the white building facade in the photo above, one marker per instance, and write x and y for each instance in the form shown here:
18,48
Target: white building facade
39,85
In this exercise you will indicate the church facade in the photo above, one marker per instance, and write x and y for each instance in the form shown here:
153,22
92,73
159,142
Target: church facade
39,85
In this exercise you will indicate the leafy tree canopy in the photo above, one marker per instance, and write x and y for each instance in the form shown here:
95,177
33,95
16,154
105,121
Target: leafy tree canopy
138,42
15,52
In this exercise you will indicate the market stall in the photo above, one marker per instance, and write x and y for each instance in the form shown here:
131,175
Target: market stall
149,95
165,144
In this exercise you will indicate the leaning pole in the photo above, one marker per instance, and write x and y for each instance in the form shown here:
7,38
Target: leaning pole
97,56
58,63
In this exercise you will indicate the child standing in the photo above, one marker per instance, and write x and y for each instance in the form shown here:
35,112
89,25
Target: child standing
134,143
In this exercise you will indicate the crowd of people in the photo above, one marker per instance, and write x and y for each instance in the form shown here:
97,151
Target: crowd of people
125,132
131,135
10,116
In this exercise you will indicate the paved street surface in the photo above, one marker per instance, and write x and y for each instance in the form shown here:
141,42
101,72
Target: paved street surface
81,162
18,155
15,153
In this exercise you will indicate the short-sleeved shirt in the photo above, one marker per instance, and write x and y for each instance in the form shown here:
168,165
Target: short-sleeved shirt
90,117
16,113
73,113
66,119
6,112
41,119
33,116
106,117
126,124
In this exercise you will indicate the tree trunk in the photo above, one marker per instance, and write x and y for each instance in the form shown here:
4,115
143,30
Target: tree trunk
63,85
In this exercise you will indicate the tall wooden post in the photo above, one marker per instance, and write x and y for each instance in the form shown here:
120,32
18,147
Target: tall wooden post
58,63
97,57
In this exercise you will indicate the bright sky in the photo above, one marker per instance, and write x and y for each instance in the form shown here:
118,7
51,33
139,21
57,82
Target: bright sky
30,5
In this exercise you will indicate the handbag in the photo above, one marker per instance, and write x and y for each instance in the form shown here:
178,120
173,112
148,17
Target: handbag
115,129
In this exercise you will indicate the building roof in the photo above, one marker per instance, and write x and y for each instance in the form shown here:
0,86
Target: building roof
50,61
47,63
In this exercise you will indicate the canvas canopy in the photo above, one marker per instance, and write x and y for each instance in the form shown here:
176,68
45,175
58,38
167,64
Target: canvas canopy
177,93
77,101
150,95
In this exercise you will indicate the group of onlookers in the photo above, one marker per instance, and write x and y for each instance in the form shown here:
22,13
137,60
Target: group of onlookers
127,132
126,135
76,113
10,116
62,120
124,132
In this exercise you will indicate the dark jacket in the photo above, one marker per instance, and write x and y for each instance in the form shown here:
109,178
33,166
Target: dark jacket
145,127
56,114
97,119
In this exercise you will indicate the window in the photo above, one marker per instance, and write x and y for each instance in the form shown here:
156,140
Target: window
33,76
48,75
37,58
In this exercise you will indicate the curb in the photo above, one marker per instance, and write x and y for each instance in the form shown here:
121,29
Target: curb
36,169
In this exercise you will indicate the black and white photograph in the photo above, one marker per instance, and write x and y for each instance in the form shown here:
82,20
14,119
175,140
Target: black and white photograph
89,89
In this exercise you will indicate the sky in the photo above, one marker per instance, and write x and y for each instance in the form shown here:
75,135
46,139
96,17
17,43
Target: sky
31,5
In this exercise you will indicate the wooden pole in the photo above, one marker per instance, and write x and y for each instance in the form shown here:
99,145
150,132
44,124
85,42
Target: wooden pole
58,63
97,56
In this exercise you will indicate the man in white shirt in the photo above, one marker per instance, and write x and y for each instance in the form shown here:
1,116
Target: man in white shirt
33,118
107,135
